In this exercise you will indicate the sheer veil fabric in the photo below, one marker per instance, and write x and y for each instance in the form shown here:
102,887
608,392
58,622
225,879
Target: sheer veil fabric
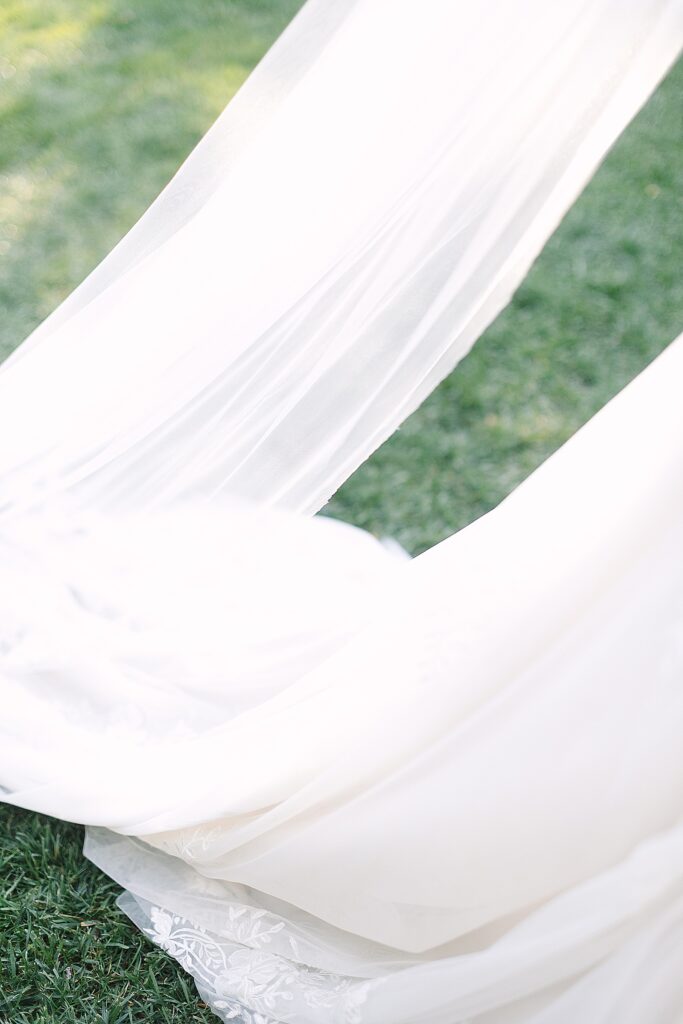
337,784
350,225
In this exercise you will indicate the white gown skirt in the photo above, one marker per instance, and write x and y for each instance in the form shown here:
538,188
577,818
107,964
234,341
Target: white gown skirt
340,785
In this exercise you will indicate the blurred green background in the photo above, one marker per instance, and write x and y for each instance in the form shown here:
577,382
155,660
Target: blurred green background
100,100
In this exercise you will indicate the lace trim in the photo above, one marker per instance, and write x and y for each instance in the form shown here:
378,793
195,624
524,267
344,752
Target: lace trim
251,985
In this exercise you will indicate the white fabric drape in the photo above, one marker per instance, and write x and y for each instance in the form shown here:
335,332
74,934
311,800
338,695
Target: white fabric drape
329,251
337,784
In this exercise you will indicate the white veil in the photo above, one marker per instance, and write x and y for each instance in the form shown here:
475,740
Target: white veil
326,256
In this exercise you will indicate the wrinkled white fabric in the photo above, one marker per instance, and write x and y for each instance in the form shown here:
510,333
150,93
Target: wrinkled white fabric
337,784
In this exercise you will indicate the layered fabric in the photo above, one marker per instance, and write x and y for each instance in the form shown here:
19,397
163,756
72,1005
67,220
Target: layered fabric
337,784
439,789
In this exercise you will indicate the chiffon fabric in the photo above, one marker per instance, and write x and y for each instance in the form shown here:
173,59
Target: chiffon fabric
353,221
339,785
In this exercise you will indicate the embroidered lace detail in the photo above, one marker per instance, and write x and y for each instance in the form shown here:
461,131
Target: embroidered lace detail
245,984
252,927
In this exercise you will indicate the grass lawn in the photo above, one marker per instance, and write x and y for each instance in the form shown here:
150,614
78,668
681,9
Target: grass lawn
99,102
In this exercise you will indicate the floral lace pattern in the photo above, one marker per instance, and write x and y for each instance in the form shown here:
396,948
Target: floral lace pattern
249,985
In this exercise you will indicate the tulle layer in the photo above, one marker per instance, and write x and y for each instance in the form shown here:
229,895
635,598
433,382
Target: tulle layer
607,950
463,801
329,252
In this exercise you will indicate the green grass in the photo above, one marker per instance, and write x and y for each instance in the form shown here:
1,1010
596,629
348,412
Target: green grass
99,101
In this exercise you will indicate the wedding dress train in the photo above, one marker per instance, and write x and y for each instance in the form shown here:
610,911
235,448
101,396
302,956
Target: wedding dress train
441,789
337,784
